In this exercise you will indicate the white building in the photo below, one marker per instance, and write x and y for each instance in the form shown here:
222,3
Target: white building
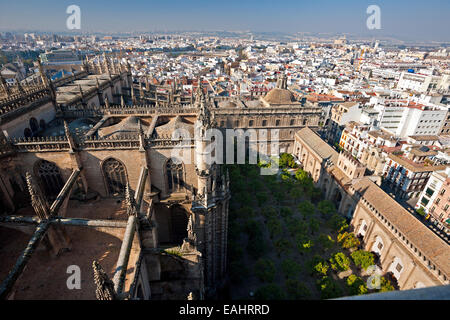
406,118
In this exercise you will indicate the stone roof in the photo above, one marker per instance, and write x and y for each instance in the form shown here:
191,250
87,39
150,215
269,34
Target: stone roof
428,243
323,149
176,123
128,126
279,96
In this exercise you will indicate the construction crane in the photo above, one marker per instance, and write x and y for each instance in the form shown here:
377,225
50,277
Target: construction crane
360,58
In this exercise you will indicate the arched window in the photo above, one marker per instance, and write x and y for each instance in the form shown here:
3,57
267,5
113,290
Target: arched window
34,126
27,133
50,178
115,176
174,174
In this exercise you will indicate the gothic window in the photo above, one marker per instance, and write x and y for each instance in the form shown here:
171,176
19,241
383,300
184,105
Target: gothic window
264,123
34,126
174,172
27,133
116,177
50,178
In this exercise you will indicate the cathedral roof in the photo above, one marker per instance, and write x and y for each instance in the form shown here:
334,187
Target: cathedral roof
174,124
128,126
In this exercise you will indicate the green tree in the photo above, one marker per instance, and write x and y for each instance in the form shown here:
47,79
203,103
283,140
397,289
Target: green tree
274,226
385,285
238,272
356,285
421,211
326,241
287,160
321,268
290,268
348,240
282,246
342,261
297,290
261,198
305,246
337,223
363,259
285,212
314,225
306,208
265,270
326,207
257,247
269,212
328,288
269,292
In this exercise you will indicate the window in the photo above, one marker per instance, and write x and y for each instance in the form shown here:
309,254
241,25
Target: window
399,267
250,123
277,122
291,122
264,123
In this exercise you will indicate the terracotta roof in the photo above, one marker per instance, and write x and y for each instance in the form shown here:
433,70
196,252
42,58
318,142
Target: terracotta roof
414,167
429,244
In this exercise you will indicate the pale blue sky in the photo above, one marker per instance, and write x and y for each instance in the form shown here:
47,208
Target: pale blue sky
420,20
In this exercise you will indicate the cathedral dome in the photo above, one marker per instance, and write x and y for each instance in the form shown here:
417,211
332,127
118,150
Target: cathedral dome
279,96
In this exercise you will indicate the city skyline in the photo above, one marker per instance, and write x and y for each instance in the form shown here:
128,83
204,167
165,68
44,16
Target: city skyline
406,20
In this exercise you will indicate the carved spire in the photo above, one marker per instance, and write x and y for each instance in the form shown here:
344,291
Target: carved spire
69,136
4,85
37,202
42,73
122,101
129,200
147,85
20,88
106,102
133,98
199,95
104,286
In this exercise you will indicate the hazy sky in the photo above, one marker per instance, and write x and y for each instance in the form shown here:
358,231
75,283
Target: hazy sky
413,19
